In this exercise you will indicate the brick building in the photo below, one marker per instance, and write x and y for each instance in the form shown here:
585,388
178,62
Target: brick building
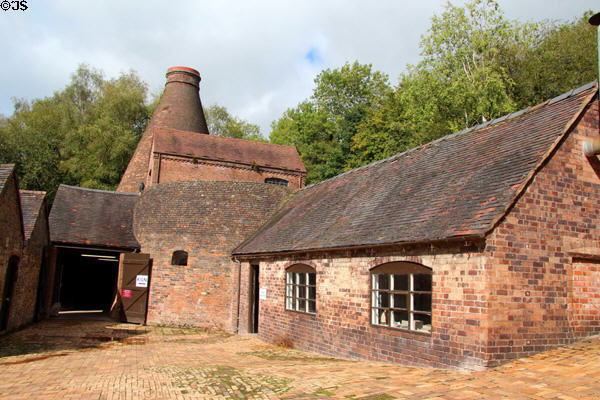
186,199
471,250
25,277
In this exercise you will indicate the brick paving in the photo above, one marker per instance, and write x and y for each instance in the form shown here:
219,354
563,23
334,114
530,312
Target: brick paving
99,359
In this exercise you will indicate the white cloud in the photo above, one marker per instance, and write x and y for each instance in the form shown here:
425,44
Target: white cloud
251,54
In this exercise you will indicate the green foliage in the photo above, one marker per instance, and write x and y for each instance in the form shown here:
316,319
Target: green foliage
551,58
221,123
476,66
322,128
83,135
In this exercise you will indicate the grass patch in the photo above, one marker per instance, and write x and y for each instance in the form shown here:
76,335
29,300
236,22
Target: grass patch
222,381
329,392
282,354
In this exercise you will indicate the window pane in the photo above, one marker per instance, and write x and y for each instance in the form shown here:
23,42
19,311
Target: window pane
301,305
422,322
400,282
289,277
400,300
312,307
312,293
312,279
302,292
289,290
383,281
383,299
400,319
289,303
422,283
301,278
422,302
381,317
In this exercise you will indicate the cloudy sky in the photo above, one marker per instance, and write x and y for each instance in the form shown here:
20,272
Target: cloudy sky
257,58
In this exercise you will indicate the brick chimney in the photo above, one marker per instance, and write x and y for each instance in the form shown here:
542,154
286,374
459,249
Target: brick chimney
180,107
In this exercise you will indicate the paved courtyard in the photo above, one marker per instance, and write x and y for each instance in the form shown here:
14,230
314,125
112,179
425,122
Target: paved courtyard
70,358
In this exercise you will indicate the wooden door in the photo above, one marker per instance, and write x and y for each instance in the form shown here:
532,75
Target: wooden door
134,281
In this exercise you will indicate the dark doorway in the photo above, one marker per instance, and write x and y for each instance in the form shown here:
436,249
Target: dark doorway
89,279
254,299
9,289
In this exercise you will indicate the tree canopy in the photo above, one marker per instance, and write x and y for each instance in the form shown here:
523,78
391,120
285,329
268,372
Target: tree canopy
476,66
222,123
83,135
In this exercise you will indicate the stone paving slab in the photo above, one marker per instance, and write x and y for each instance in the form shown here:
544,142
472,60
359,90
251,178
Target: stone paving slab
99,359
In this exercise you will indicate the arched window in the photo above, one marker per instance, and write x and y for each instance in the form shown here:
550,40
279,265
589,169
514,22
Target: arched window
276,181
401,296
301,288
179,257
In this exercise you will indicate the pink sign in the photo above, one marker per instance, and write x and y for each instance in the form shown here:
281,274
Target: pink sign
126,293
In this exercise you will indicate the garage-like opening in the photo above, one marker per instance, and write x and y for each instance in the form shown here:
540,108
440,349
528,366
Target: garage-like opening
88,279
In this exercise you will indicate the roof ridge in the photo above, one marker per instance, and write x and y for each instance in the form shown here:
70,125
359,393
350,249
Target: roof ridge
225,137
477,127
98,190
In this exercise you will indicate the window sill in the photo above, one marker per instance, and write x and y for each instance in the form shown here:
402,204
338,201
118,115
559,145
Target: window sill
301,312
402,330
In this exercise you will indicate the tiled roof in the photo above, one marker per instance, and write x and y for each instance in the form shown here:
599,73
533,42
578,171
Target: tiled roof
5,171
91,217
456,186
31,203
168,141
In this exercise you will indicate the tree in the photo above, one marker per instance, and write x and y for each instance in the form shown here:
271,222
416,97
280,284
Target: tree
83,135
550,58
221,123
322,127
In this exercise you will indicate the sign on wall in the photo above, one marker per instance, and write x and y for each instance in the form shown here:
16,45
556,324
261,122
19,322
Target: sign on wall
141,281
127,293
262,293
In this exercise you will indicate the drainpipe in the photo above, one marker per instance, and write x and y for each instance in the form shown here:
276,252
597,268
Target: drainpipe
592,148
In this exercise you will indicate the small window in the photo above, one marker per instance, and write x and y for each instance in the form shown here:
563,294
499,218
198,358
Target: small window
179,257
301,289
276,181
401,296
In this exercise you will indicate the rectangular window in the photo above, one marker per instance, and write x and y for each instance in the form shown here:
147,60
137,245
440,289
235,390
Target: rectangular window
301,292
401,301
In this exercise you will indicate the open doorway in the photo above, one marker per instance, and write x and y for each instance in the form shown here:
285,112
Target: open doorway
89,279
254,299
8,291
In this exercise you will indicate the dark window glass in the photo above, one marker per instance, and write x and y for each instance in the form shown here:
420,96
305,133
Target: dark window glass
179,257
276,181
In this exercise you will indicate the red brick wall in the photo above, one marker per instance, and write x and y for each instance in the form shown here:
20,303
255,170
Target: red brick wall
173,169
539,297
521,294
26,289
341,327
11,232
208,220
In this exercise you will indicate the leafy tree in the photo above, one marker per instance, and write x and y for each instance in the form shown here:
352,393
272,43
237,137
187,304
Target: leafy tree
83,135
550,58
323,127
221,123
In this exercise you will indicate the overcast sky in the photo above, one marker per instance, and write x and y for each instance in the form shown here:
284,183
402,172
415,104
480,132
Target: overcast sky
257,58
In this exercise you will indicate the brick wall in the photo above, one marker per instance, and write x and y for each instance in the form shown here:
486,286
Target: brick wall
342,328
173,169
11,230
26,289
539,296
208,220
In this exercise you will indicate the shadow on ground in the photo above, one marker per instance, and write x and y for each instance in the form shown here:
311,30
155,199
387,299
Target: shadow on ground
58,336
